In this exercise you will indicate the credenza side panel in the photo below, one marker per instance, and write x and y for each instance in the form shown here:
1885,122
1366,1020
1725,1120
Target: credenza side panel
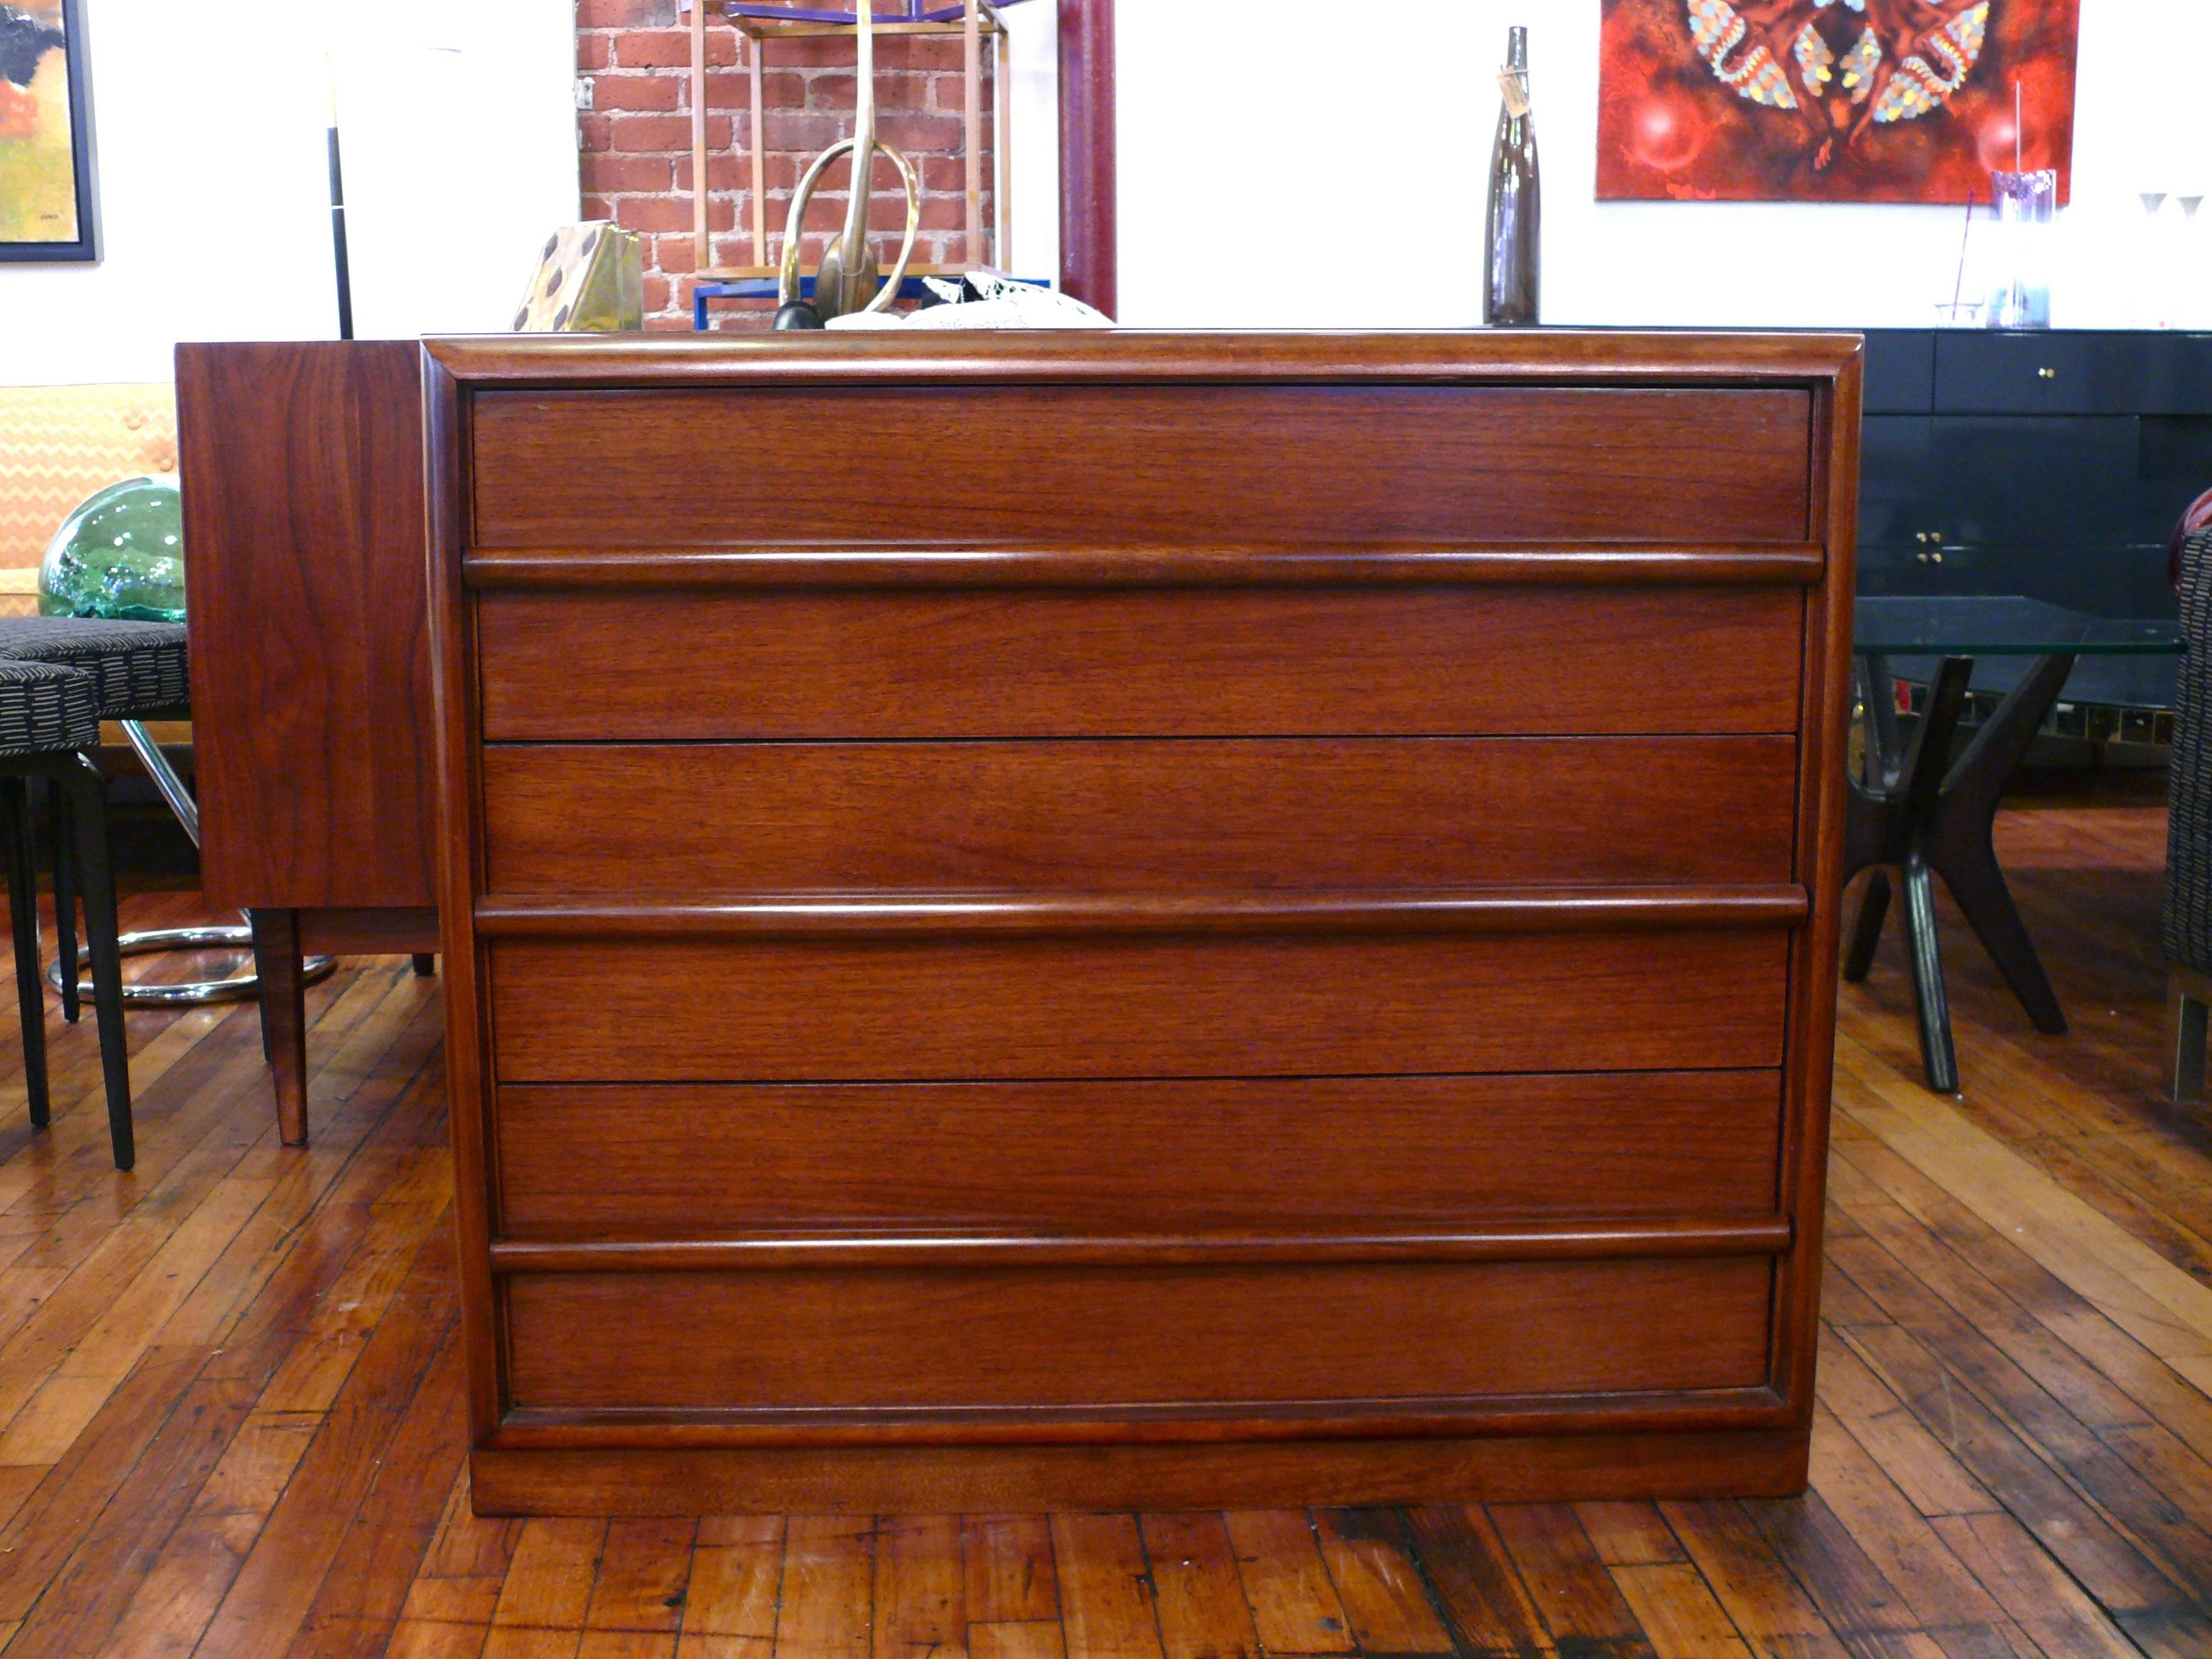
1823,755
303,475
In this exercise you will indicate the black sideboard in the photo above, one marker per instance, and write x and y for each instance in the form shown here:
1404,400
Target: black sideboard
2052,464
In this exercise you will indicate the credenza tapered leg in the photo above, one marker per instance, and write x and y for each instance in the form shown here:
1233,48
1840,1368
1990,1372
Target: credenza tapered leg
277,961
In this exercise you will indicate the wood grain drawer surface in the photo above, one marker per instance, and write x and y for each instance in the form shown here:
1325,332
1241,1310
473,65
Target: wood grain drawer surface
1135,466
1217,1006
1187,662
700,1160
1044,1337
695,820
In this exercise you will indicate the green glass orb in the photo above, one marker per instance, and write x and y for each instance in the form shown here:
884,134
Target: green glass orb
121,556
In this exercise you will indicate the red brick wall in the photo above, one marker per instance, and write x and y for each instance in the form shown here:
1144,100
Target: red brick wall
636,141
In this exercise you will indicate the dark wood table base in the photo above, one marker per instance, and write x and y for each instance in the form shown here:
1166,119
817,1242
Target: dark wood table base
1923,814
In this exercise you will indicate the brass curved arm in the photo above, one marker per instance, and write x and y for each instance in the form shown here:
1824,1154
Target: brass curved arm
787,280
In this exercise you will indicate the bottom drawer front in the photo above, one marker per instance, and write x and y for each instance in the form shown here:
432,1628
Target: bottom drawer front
870,1010
692,1159
1008,1338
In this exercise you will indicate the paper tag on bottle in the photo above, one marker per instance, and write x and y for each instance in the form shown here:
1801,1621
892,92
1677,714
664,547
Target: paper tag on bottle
1514,83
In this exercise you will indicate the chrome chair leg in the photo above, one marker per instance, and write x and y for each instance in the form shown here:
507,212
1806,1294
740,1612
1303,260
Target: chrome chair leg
236,989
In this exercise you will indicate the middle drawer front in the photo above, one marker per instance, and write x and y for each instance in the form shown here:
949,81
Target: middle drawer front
930,1007
1289,1155
686,820
1292,661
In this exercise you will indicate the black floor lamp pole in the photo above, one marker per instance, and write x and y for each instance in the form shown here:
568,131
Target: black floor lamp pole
338,222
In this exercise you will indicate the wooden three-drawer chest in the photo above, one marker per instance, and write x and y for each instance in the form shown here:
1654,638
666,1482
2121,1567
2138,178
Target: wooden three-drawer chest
1118,919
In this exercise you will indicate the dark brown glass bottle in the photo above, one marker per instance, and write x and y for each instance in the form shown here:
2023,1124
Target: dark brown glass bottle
1512,249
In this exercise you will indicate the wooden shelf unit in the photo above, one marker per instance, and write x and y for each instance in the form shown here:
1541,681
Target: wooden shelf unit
983,21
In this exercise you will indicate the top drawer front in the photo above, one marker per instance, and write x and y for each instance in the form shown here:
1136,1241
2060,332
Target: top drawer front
1140,466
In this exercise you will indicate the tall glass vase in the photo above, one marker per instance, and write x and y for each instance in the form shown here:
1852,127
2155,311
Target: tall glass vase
2027,208
1512,250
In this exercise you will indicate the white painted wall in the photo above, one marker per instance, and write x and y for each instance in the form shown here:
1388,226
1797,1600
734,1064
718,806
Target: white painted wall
1305,162
1033,118
460,126
460,157
1288,164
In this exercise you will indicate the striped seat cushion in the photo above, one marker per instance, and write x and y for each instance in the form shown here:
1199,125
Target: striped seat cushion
46,709
137,668
2187,927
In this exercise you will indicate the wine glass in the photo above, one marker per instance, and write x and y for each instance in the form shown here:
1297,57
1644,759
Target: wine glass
2154,286
2192,312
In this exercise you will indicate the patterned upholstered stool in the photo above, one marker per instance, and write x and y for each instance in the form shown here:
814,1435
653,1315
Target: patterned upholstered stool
2187,925
139,670
140,673
49,717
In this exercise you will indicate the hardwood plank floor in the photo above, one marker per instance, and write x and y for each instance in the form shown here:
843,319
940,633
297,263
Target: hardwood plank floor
231,1419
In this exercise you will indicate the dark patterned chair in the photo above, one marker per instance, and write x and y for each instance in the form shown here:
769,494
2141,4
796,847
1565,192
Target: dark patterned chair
49,718
139,669
140,672
2187,924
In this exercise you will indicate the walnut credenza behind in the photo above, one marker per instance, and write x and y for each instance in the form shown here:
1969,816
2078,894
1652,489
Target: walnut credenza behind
1139,920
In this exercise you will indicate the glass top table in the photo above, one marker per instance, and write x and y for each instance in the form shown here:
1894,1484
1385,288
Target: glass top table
1920,810
2002,625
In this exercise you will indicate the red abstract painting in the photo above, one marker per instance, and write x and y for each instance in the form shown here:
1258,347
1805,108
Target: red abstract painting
1831,100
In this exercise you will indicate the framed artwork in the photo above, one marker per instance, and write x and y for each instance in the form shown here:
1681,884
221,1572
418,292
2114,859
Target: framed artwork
49,209
1831,101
